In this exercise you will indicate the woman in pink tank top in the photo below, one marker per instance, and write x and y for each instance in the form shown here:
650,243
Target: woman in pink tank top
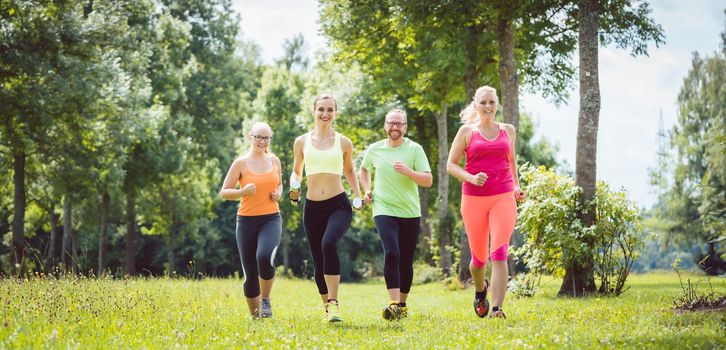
490,189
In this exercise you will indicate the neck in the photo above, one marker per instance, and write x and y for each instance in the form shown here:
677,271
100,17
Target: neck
323,129
395,143
257,153
486,122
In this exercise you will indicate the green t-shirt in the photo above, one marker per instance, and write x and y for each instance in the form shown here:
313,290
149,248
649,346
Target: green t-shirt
395,194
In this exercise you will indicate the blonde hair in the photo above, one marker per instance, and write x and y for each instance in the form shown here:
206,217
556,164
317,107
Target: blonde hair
325,97
469,115
261,125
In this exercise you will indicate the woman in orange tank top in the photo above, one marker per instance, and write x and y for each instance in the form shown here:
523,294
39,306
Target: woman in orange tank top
259,226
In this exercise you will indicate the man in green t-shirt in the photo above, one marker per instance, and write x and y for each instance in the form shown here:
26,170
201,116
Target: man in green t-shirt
400,166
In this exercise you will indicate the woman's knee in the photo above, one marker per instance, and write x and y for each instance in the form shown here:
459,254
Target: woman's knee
329,245
392,256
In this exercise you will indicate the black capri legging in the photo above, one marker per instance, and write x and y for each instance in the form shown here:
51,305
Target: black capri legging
325,223
399,237
257,241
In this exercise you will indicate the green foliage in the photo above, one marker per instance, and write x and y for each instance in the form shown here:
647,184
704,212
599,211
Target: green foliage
695,203
161,313
555,237
619,238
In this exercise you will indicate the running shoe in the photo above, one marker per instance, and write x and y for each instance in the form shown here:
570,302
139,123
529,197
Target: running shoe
265,308
256,315
481,305
332,310
404,311
498,314
391,312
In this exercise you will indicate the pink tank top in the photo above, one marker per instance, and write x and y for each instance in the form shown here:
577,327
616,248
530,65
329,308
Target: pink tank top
491,158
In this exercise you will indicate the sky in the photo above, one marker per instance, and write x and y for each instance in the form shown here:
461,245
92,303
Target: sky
634,90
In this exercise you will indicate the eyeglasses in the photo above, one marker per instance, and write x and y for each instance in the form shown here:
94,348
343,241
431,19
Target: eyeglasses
396,124
262,138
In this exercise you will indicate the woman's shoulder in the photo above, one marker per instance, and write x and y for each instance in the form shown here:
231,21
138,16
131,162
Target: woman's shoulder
344,140
301,138
509,128
274,159
239,162
466,130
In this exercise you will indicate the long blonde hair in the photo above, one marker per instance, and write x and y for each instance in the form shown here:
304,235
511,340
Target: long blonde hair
260,125
469,115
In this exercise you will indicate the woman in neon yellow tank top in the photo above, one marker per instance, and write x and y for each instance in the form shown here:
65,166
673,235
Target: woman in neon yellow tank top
325,156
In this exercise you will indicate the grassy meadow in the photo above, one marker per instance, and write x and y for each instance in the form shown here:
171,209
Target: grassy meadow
211,313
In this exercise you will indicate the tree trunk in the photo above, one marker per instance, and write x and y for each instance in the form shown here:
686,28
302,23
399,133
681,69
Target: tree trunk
424,195
508,67
473,57
130,252
105,203
464,257
509,79
51,257
69,259
17,256
171,258
579,276
443,186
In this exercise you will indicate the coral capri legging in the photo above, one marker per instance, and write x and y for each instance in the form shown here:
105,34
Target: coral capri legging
489,220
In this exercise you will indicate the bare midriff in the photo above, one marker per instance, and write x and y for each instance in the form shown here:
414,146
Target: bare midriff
323,186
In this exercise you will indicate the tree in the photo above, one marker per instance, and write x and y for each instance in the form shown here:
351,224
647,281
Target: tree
57,74
627,24
695,203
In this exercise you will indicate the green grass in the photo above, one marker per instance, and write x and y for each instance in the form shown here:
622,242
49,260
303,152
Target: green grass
163,313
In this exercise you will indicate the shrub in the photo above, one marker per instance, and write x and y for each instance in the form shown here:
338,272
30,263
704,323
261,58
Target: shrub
554,236
424,273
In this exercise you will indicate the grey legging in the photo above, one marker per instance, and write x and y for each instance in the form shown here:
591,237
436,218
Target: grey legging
257,241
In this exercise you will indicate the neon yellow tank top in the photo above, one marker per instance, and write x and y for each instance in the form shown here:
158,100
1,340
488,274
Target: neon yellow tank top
323,161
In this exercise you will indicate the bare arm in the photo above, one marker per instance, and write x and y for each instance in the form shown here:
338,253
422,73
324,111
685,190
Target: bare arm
234,174
423,178
297,165
457,151
365,183
365,179
512,133
349,166
275,196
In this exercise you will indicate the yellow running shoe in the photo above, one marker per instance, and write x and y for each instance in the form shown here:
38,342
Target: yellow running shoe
392,312
332,310
404,311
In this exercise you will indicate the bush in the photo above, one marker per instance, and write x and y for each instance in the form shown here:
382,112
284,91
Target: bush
524,286
424,273
555,237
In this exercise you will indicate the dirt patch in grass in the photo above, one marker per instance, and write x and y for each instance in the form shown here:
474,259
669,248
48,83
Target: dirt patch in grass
703,304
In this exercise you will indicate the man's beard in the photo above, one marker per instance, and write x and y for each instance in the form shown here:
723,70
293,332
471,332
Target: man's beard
393,135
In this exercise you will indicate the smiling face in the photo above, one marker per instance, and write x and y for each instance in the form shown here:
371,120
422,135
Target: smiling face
260,137
325,111
395,125
486,104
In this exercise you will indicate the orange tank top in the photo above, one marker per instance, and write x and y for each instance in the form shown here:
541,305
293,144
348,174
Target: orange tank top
260,203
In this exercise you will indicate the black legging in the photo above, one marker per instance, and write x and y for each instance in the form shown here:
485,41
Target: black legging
257,241
399,237
325,223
